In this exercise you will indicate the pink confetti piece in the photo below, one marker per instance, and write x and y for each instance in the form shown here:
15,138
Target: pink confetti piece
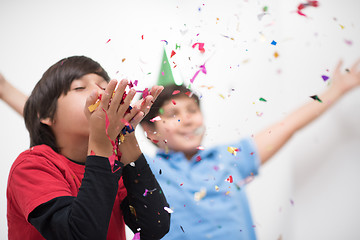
157,118
175,92
200,148
148,191
201,46
108,40
173,101
348,42
136,236
202,69
198,158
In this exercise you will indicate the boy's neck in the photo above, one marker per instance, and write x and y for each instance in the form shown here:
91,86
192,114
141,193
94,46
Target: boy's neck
76,150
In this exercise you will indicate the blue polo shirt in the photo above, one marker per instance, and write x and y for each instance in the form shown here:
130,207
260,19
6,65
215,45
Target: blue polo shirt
207,193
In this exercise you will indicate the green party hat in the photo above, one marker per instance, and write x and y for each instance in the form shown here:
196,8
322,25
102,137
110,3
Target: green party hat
166,76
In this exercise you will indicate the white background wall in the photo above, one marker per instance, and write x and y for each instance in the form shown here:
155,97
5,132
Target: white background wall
309,190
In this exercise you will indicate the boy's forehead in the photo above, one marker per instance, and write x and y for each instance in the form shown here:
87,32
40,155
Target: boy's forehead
180,101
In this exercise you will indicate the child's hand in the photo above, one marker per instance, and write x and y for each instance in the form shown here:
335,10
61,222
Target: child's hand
345,81
145,104
99,141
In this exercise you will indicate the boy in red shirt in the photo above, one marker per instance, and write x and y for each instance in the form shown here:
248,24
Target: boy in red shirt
73,183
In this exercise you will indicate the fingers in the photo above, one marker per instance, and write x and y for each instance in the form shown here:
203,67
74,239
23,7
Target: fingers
105,99
124,107
155,91
118,96
338,66
90,102
137,119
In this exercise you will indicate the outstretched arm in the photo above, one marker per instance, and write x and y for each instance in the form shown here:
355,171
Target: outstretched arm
271,139
12,96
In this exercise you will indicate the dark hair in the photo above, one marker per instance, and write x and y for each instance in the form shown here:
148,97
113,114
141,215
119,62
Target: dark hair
42,102
166,95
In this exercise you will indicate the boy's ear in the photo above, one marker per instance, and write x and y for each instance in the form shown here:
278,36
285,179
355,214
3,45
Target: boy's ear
47,121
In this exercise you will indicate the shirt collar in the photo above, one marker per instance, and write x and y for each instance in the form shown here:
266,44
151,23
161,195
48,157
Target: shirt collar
179,156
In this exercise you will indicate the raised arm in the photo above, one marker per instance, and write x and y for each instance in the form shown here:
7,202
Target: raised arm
271,139
12,96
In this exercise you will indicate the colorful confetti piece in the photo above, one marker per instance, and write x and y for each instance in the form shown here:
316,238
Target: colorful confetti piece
201,46
315,97
157,118
202,69
233,150
262,99
324,77
273,43
302,6
229,179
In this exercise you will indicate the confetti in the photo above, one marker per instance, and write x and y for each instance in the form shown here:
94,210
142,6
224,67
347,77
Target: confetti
177,46
136,236
216,188
229,179
348,42
148,191
157,118
172,53
108,40
262,99
202,69
201,46
173,101
165,41
142,37
200,148
169,210
315,97
175,92
276,54
233,150
273,43
94,106
198,158
160,172
259,114
182,229
302,6
324,77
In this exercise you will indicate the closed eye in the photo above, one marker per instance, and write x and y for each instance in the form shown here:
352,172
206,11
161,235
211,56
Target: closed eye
79,88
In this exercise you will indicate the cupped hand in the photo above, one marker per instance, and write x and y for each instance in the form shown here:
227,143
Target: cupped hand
110,117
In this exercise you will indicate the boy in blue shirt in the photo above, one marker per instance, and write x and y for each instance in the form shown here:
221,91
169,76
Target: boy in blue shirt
205,187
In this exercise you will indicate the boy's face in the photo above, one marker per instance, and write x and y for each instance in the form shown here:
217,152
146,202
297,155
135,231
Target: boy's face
181,127
70,122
